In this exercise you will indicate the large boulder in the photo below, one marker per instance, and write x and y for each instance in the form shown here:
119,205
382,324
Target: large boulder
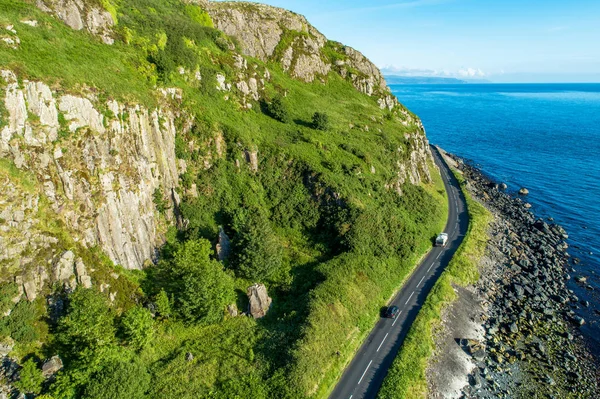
64,268
52,366
259,301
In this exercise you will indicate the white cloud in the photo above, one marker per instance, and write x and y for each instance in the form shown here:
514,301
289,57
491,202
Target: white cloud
465,73
471,73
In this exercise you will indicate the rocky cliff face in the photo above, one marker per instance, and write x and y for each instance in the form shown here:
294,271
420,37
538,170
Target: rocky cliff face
97,172
82,15
271,33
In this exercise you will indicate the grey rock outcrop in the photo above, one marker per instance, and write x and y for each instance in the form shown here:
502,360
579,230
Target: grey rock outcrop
63,268
78,15
52,366
259,301
232,310
100,183
261,30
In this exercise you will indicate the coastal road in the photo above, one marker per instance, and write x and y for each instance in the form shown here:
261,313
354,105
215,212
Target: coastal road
365,373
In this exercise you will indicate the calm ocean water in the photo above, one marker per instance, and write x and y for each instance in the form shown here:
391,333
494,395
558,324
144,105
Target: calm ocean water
545,137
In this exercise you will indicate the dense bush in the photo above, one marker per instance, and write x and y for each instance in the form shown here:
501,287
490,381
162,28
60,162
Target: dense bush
88,325
258,254
21,324
30,378
320,121
200,287
137,325
278,110
119,379
163,304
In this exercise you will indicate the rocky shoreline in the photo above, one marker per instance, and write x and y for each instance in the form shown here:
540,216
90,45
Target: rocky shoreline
519,335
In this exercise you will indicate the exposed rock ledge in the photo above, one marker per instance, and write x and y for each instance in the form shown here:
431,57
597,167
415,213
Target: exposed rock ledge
261,31
78,14
100,182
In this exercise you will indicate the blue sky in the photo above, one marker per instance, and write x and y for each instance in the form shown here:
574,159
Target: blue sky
499,40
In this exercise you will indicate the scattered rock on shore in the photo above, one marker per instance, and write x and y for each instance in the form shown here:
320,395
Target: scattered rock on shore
532,344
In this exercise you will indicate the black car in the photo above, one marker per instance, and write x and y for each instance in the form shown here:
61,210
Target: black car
392,312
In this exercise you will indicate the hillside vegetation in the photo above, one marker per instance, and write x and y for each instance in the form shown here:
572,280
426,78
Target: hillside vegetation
323,183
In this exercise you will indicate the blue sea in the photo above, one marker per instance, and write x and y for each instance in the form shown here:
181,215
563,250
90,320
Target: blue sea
545,137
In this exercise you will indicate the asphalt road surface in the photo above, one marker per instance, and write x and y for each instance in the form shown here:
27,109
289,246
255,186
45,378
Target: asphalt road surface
365,373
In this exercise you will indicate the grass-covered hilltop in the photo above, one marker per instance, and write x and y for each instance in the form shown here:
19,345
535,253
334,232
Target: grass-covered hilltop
159,158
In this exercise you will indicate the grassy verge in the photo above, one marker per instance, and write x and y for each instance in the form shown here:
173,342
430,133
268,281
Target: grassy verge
406,378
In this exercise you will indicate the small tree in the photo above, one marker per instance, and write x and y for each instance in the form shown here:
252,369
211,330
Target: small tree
163,305
320,121
30,378
88,325
257,252
278,110
138,327
200,287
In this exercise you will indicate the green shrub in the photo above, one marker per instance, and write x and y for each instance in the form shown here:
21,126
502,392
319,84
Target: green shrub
21,324
200,287
119,379
320,121
88,325
163,305
30,378
138,327
181,148
199,15
258,254
278,110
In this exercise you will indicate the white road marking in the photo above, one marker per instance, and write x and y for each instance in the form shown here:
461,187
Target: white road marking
384,338
429,268
396,319
422,279
411,295
440,254
363,376
350,396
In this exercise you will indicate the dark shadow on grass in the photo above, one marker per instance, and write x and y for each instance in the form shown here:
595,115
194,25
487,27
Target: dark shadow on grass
288,314
301,122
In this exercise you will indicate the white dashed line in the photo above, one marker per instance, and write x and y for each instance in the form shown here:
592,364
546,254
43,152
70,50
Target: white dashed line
363,376
411,295
396,319
437,257
422,279
429,268
384,338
